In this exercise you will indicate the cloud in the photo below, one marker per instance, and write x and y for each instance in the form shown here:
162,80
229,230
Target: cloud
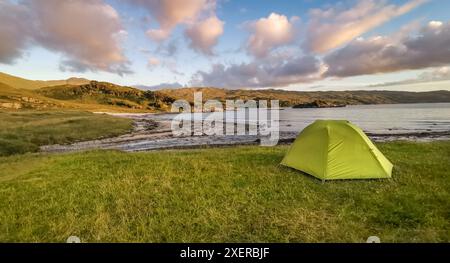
437,74
153,62
167,63
168,49
88,33
430,47
204,34
427,47
170,13
158,35
335,26
203,28
274,71
172,66
13,31
269,33
174,85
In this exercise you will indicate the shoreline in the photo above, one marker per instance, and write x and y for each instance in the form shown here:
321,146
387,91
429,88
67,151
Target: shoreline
150,134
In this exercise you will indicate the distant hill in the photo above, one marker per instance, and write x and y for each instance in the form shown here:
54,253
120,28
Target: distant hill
69,94
102,96
12,98
292,98
21,83
104,93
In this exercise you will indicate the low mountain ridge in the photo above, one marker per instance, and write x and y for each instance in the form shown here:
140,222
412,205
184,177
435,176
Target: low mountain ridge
104,96
12,98
21,83
292,98
105,93
94,96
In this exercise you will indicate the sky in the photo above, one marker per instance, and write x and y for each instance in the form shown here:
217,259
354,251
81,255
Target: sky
299,45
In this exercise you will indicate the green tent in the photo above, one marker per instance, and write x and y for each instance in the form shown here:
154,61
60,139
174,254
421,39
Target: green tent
332,150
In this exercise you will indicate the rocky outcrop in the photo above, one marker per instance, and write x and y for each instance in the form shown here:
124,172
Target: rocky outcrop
319,104
10,105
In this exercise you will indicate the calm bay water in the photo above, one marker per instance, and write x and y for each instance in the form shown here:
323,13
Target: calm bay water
392,118
382,119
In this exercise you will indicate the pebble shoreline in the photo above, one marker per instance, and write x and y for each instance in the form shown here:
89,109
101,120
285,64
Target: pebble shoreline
149,134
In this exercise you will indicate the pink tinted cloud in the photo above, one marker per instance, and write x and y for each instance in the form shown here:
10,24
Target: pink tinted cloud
87,33
269,33
205,34
330,28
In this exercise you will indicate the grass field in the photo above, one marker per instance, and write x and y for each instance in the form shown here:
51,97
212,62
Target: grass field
25,131
237,194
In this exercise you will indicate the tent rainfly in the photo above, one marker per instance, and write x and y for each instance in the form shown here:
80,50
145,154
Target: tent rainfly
337,149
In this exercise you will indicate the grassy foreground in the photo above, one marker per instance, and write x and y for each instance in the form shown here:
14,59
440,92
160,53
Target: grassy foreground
25,131
237,194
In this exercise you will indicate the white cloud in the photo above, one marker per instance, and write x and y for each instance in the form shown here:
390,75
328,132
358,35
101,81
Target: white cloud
170,13
274,71
153,62
333,27
87,33
14,30
204,34
158,34
434,75
427,48
269,33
